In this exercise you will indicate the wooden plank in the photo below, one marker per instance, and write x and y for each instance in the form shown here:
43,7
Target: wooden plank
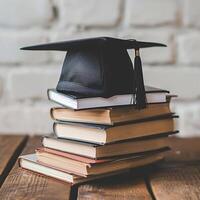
176,183
121,187
22,184
184,149
10,148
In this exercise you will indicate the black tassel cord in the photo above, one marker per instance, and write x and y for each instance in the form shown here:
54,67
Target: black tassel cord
139,81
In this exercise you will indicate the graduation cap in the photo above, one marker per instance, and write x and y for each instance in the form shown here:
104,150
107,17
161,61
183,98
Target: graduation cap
100,67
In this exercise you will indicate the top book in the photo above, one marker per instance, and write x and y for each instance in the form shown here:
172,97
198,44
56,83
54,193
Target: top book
153,95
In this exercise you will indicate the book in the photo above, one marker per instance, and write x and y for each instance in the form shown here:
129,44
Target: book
103,134
72,156
30,162
153,95
80,167
109,116
94,161
96,151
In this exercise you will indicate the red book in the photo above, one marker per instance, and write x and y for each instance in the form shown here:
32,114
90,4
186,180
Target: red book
72,156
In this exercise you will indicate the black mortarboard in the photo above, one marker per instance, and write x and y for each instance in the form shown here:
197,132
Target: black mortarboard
100,67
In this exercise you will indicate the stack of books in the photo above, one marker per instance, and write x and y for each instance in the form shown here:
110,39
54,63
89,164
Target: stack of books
98,137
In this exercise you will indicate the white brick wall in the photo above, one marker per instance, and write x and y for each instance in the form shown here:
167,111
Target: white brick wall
25,76
150,12
11,41
191,13
24,118
183,81
32,83
22,13
90,13
188,48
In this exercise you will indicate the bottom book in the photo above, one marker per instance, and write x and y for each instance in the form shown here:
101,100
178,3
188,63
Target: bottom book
30,162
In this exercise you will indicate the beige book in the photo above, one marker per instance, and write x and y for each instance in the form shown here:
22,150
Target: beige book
110,116
108,150
101,134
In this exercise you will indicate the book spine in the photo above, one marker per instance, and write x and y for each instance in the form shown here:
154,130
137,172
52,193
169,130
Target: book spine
54,128
51,113
19,161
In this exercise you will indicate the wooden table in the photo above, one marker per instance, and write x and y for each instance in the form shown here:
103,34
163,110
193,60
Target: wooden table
178,178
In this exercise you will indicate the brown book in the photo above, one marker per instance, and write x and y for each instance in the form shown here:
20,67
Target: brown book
102,151
110,116
65,163
102,134
30,162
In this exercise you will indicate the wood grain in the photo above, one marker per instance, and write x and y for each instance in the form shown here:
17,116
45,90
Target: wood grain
173,181
184,149
116,188
10,148
21,184
176,183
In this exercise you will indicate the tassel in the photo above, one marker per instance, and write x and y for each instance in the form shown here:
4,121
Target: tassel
139,81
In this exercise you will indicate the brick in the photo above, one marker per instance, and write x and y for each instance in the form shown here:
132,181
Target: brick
188,48
11,42
153,55
191,13
32,83
4,74
92,13
189,113
179,80
24,13
27,119
150,12
42,123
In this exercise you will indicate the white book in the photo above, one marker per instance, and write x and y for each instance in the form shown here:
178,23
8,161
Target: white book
153,95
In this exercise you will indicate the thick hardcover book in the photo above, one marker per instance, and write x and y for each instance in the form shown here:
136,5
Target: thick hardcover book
96,151
102,134
110,116
31,163
79,166
154,95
